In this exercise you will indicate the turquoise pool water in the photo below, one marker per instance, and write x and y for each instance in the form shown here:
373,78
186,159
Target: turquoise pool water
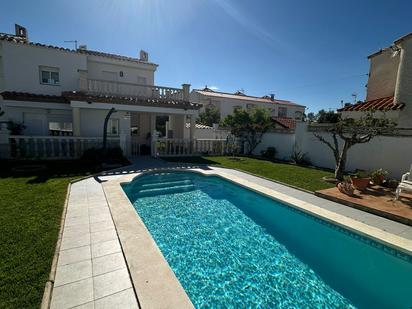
233,248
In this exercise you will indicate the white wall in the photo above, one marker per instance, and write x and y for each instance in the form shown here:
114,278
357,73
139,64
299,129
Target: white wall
21,68
227,105
283,142
391,153
131,71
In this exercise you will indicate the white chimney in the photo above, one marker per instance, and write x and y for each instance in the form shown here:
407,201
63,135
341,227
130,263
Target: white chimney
144,56
21,31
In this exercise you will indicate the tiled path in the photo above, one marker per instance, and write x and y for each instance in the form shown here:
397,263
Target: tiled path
91,270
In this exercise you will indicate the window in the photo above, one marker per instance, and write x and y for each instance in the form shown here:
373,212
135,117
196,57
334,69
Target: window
49,76
249,106
282,112
237,107
61,128
298,115
113,127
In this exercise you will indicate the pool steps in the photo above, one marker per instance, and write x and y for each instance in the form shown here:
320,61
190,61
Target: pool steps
164,184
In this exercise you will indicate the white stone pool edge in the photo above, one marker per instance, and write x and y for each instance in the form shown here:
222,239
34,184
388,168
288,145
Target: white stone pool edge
155,283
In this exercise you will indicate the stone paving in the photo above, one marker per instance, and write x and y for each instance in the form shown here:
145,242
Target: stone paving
91,269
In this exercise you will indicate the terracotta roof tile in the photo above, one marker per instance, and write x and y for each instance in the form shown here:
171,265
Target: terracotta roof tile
287,123
32,97
381,104
22,40
67,96
127,100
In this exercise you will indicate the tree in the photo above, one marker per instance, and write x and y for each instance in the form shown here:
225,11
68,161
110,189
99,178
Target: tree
210,116
249,126
352,132
311,116
327,117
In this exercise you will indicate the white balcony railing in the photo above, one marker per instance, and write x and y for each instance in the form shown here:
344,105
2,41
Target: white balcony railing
98,86
185,147
54,147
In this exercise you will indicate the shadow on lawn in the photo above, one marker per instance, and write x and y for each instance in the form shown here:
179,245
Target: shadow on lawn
52,169
194,160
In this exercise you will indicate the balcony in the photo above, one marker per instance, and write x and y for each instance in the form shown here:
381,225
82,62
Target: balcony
115,88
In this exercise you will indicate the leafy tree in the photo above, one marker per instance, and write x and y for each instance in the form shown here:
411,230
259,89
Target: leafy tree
352,132
210,116
249,126
327,117
311,116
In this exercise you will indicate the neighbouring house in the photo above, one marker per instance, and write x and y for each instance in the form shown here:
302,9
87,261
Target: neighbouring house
389,88
284,113
63,94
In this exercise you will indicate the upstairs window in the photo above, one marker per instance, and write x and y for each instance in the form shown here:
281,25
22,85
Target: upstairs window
49,76
298,115
61,128
283,112
113,127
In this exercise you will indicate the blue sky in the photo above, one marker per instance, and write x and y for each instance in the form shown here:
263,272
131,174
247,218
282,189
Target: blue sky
311,52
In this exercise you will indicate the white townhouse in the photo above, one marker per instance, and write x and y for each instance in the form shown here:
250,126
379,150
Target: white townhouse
389,88
62,94
284,113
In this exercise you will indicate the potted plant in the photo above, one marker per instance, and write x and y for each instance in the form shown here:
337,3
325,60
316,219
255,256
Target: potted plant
378,176
345,187
360,180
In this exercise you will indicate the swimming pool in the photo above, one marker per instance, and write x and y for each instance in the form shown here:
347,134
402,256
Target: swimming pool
232,247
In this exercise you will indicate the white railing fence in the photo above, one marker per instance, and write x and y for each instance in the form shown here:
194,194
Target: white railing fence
54,147
129,89
186,147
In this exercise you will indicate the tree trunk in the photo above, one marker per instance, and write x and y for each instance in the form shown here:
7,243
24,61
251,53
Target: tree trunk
341,162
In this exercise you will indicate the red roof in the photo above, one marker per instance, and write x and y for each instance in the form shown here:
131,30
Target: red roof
287,123
381,104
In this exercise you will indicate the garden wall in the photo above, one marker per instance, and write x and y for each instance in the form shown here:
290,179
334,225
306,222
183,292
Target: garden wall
392,153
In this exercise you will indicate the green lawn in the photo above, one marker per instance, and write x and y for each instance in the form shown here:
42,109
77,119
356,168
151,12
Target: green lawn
31,209
299,176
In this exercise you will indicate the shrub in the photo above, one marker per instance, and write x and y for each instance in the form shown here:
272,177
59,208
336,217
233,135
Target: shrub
269,153
300,158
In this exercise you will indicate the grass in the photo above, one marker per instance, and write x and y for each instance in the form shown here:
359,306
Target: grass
31,209
307,178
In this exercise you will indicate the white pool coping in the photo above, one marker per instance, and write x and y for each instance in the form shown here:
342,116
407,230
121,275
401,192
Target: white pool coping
156,284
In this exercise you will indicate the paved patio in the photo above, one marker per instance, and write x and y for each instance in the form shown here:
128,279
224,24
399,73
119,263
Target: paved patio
91,270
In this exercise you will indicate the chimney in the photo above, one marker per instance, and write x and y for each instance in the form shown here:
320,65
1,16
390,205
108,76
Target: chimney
21,31
144,56
83,47
272,96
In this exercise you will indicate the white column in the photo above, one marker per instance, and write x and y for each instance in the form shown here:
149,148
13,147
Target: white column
76,121
192,127
4,141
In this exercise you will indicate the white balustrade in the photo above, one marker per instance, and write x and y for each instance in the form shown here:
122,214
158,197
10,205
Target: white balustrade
54,147
98,86
164,147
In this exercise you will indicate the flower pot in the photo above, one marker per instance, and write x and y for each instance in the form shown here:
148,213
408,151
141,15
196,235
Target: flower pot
360,183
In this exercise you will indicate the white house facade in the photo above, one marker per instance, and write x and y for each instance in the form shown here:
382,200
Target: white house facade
389,88
52,92
285,113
